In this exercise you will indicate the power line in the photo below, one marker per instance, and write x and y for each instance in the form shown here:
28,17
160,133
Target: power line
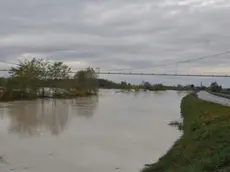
174,63
6,62
165,74
153,66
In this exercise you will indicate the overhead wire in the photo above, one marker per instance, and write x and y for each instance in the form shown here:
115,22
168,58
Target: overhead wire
152,66
172,63
6,62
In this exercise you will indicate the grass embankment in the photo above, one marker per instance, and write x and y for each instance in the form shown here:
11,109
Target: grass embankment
205,145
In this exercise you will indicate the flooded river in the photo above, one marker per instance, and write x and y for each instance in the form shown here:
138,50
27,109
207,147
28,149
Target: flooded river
112,132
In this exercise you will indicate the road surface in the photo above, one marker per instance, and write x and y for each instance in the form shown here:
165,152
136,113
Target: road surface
204,95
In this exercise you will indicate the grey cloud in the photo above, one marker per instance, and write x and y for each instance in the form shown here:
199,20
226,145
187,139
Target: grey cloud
117,33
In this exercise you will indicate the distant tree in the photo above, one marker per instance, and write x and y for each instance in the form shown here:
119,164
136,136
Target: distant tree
86,80
180,87
103,83
157,87
124,85
146,85
214,87
227,91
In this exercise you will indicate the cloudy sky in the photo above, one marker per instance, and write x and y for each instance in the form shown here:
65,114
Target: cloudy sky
118,34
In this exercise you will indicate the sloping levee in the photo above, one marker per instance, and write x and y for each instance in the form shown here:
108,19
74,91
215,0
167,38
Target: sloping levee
205,144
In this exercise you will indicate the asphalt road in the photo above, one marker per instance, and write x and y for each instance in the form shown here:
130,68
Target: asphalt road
204,95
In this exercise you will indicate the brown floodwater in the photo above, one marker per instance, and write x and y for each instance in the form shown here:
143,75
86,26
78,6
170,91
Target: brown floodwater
111,132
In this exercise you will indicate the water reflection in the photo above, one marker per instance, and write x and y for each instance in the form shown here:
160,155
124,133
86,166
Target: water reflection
86,106
181,93
37,117
160,93
122,131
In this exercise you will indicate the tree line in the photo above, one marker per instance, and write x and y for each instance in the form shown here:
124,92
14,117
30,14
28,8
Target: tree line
214,86
38,78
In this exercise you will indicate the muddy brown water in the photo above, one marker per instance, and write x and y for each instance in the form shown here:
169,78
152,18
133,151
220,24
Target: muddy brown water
112,132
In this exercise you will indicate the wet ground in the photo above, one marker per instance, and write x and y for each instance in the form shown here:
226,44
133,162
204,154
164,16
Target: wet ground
112,132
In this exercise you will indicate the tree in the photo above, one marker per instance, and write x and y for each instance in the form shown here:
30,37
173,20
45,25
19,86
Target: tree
26,76
180,87
103,83
29,78
58,72
214,87
86,80
3,82
146,85
157,87
124,85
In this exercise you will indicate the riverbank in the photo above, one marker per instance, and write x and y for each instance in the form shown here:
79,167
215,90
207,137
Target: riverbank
205,144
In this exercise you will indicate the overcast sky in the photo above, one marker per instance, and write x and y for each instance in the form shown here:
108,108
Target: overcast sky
117,34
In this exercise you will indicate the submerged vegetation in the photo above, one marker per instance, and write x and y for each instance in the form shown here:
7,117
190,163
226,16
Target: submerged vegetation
39,78
177,124
146,86
205,144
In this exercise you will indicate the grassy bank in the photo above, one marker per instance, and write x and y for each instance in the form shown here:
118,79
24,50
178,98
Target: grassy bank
205,145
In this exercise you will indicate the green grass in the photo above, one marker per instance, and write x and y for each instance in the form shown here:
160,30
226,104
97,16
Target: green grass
205,145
